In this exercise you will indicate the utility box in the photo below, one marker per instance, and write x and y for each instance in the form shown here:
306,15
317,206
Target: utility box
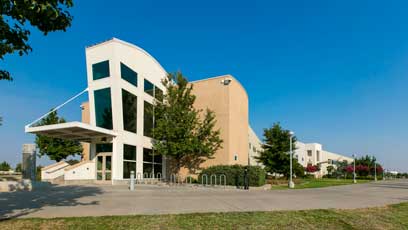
29,161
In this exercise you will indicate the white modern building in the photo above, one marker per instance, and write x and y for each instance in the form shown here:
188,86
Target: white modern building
314,154
123,81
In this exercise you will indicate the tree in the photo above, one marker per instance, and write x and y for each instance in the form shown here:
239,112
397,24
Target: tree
183,133
275,155
15,16
366,166
55,148
18,168
330,169
4,166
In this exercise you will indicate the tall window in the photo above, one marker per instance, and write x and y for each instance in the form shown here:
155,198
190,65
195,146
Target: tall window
104,148
309,153
148,119
158,93
103,108
153,90
129,160
100,70
128,74
129,106
148,87
317,155
151,162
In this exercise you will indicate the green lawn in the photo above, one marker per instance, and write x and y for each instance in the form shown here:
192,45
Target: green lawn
319,183
388,217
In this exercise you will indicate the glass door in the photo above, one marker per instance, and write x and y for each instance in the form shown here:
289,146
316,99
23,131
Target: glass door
104,167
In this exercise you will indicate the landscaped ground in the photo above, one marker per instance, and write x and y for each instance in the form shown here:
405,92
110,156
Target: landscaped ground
319,183
388,217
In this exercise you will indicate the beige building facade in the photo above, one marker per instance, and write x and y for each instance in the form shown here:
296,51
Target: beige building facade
228,99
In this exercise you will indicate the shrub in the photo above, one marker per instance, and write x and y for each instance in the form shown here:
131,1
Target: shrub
308,176
312,168
233,173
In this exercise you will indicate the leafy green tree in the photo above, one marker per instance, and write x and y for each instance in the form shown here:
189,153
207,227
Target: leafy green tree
4,166
186,135
367,163
55,148
330,169
17,16
275,155
18,168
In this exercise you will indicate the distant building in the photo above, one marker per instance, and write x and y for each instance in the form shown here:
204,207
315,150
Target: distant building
313,154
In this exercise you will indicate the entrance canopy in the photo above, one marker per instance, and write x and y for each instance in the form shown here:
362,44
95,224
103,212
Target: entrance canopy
72,131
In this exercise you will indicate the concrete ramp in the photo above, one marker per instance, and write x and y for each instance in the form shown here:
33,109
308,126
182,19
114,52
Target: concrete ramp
54,173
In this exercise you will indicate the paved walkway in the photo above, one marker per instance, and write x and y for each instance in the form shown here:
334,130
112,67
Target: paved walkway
64,201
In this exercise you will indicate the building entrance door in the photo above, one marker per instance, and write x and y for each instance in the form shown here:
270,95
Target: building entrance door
104,167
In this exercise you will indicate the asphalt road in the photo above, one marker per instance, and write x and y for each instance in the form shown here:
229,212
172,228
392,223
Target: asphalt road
70,200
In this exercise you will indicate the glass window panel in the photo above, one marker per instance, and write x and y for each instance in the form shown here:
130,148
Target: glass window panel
147,155
147,168
148,119
157,170
158,94
158,158
100,70
108,176
128,74
108,165
99,163
104,148
129,152
148,87
99,176
129,104
127,167
103,108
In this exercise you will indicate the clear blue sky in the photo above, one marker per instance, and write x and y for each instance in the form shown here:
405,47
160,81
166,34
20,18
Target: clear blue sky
335,72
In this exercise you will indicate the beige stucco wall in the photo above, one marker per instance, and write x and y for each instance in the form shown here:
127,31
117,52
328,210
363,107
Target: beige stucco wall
85,119
230,104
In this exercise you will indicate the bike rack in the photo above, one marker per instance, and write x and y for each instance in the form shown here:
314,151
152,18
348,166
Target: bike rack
222,176
189,179
215,180
139,178
202,179
145,177
173,178
159,176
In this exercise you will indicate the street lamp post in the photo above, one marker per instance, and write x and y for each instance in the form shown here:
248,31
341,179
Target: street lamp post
375,170
354,169
383,172
291,184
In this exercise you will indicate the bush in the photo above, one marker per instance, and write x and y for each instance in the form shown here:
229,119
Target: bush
308,176
256,174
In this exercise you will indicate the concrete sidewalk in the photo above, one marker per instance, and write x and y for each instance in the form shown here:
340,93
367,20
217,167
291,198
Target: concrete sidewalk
67,201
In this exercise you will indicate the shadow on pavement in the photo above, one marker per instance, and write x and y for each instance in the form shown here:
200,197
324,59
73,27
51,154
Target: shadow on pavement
20,203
